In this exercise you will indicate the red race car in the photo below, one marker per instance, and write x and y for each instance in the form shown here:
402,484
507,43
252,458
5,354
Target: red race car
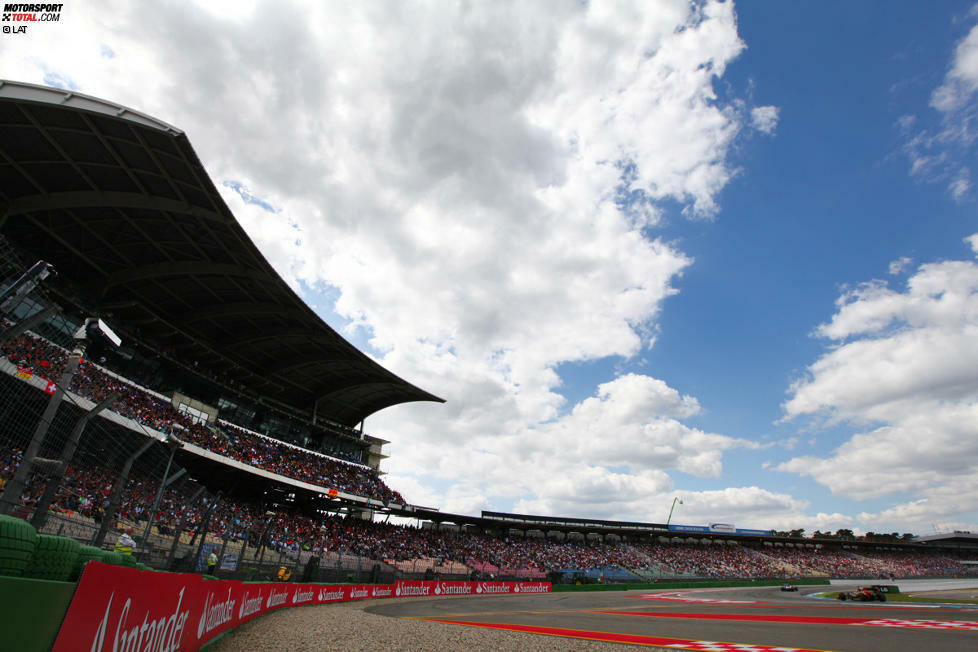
864,594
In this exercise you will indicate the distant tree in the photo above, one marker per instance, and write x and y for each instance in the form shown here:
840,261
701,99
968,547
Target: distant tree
908,536
845,534
797,534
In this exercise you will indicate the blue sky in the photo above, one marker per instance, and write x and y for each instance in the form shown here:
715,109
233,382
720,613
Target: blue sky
826,203
782,325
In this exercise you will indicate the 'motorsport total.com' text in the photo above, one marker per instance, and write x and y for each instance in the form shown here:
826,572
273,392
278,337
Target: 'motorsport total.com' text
32,13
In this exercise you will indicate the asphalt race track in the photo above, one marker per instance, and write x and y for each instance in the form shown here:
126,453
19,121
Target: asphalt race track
741,620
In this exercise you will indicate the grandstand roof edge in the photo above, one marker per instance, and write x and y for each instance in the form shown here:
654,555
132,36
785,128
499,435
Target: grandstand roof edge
49,95
319,367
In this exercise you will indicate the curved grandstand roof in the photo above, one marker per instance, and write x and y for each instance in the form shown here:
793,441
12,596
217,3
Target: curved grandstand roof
120,204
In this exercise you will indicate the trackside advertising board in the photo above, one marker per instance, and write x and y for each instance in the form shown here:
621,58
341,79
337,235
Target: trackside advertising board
121,609
719,528
407,589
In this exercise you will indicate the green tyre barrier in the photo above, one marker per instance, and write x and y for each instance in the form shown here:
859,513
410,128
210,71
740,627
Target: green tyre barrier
85,555
18,539
54,558
114,558
127,560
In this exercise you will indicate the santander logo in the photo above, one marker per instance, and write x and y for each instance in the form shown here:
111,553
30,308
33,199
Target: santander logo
327,595
162,634
249,607
276,599
215,614
301,596
413,590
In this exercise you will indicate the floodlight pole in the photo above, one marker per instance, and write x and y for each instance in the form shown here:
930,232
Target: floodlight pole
175,444
116,497
261,540
183,523
204,526
10,500
67,454
674,501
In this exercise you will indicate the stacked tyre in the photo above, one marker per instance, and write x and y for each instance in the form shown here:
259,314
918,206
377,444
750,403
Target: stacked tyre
54,558
85,555
18,540
127,560
114,558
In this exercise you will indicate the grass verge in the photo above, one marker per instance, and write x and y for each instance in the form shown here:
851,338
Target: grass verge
907,597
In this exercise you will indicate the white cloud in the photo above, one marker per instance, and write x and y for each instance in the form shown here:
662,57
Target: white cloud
941,511
906,347
937,151
961,184
961,80
452,173
610,454
972,241
744,507
765,118
903,368
899,265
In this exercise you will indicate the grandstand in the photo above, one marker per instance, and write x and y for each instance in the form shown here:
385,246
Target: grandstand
231,418
218,353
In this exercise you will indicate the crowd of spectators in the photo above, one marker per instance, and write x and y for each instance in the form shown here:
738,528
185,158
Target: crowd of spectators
37,356
825,562
86,488
707,560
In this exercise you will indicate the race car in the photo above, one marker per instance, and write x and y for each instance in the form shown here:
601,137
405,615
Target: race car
864,594
789,587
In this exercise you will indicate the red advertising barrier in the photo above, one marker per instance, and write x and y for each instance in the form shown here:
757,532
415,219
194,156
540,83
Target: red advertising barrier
124,609
406,589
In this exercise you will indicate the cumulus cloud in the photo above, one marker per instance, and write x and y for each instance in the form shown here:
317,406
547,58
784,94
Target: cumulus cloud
941,511
609,455
744,507
904,369
452,174
765,118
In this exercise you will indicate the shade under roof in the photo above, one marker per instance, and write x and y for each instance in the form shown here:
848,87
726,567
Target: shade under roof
120,204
